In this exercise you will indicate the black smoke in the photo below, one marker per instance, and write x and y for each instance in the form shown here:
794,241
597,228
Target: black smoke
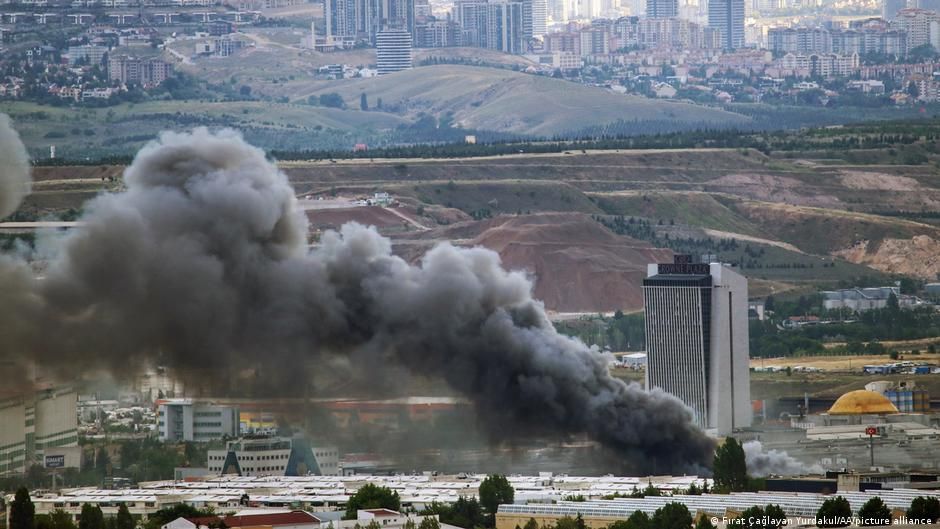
14,168
203,261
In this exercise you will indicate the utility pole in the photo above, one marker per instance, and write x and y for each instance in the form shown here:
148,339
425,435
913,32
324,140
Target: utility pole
871,431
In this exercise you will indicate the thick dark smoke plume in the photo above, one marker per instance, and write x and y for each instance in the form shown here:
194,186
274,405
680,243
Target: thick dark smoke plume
204,261
14,168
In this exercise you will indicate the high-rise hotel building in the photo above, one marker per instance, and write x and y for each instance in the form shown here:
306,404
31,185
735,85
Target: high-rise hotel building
697,340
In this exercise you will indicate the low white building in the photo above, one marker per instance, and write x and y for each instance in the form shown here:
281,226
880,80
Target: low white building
295,519
863,299
273,456
633,360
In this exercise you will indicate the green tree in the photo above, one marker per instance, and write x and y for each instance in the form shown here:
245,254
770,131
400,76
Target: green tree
332,100
531,524
495,490
22,511
43,521
776,516
650,490
124,520
429,523
363,102
673,515
370,496
704,522
730,467
875,512
893,299
926,509
769,517
463,512
466,513
834,512
102,461
639,520
752,517
91,517
61,520
168,514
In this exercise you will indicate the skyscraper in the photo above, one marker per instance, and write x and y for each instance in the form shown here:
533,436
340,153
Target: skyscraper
471,15
504,27
727,16
393,50
697,340
662,8
363,19
534,18
340,18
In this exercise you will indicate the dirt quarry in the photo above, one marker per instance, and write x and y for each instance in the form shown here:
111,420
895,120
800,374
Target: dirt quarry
383,219
578,265
918,256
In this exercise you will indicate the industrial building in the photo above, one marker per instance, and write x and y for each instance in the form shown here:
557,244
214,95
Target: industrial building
863,299
599,514
540,497
697,340
324,493
274,456
186,420
36,421
840,436
253,519
905,396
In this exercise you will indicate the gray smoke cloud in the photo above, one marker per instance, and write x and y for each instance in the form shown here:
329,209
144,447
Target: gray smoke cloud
762,463
203,262
14,168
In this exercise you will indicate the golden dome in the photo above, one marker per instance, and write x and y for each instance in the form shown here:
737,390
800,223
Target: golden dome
861,402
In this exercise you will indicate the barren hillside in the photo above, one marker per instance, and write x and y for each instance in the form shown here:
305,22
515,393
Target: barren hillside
578,265
508,101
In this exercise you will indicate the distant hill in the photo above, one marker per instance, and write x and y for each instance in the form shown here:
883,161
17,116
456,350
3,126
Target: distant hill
508,101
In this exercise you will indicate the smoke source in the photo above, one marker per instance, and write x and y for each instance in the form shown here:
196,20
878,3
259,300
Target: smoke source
203,260
14,168
774,462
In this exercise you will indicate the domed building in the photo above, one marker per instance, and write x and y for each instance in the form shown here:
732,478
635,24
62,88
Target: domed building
859,408
862,402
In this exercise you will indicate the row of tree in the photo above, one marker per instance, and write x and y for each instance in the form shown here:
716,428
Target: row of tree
836,512
23,516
